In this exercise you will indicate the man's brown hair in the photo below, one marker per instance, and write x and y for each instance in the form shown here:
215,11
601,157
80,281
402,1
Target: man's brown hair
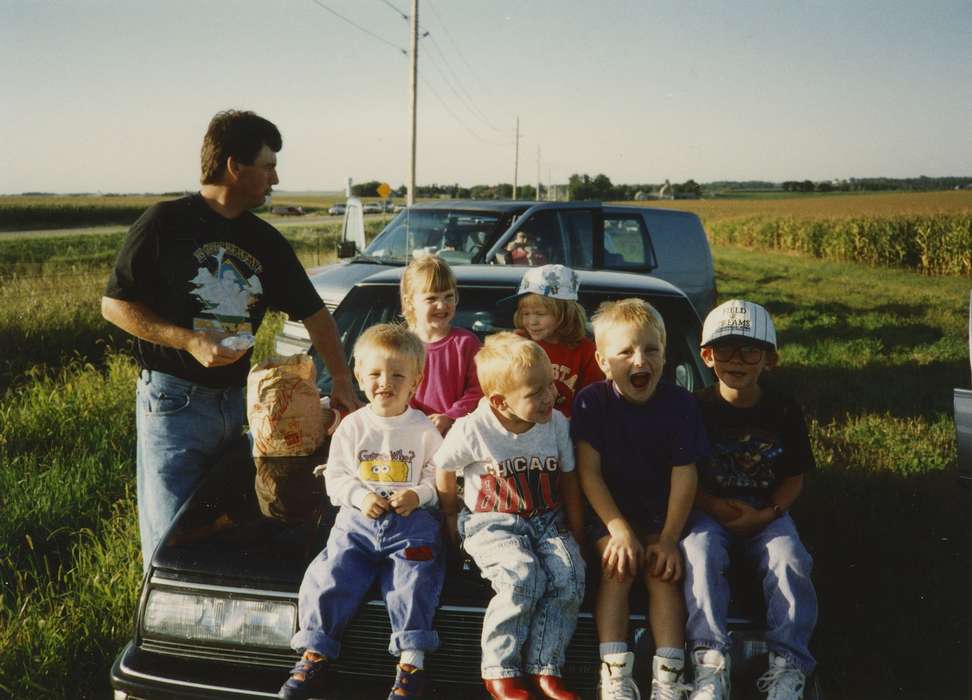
237,134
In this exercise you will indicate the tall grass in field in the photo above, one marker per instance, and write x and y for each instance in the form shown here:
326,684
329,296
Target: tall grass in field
930,232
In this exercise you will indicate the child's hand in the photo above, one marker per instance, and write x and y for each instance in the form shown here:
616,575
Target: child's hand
374,506
663,560
622,555
404,502
748,522
442,422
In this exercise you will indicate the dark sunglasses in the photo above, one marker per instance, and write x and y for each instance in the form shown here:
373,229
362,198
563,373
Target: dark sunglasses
748,354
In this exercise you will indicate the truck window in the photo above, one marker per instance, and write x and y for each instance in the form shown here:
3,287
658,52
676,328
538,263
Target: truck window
538,241
626,243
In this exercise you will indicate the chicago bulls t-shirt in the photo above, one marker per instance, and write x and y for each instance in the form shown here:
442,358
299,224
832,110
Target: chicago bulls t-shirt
506,472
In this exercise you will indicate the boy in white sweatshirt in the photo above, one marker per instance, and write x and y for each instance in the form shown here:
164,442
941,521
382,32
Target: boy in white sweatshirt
378,472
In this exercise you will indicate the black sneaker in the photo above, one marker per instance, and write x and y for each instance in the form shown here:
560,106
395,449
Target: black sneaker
409,683
306,678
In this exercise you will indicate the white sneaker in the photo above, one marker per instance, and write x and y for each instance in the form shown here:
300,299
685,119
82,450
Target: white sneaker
616,682
782,681
711,675
666,679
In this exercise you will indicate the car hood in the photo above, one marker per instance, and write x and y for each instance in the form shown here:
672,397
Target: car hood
333,282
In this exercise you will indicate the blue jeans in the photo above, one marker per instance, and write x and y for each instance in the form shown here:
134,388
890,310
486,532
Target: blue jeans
783,564
403,553
537,573
182,428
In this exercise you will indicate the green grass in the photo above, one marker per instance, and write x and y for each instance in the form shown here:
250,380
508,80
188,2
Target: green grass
872,353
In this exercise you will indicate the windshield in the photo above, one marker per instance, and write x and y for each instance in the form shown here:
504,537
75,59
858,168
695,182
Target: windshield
458,237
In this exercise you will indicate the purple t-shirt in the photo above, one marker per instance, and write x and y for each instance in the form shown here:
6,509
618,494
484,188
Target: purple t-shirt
639,444
449,383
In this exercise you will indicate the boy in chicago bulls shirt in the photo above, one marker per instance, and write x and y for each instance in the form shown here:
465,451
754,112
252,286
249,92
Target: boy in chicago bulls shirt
515,454
378,472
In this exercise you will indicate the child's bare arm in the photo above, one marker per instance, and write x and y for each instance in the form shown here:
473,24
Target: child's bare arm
573,504
721,509
664,560
623,553
445,485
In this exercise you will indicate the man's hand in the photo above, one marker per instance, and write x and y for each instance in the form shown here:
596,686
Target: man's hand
623,554
209,352
663,559
342,393
404,502
442,422
749,521
374,506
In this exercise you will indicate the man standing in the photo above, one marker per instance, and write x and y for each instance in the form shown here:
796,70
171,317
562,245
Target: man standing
190,273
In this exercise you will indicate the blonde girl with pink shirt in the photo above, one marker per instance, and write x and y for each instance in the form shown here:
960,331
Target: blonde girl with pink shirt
449,387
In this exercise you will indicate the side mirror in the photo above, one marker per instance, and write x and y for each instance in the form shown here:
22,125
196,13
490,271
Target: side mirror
346,249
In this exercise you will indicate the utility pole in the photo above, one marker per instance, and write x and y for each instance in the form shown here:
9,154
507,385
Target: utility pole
538,173
516,154
413,102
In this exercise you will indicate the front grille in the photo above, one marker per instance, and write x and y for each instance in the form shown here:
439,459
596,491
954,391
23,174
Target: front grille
271,658
364,648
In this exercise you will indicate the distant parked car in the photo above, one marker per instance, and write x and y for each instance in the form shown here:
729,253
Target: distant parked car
373,208
287,210
336,209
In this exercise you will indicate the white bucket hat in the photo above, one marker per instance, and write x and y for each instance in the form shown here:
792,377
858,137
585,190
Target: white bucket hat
554,281
739,319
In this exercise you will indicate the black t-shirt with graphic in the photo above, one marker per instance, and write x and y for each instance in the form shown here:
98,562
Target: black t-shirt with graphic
755,448
200,270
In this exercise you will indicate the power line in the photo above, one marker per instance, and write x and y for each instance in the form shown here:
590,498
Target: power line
468,100
359,27
456,117
451,40
470,103
398,12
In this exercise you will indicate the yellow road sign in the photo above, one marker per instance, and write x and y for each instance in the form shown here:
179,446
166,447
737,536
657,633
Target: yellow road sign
384,190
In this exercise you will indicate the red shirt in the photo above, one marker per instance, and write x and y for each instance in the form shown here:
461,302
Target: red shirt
574,368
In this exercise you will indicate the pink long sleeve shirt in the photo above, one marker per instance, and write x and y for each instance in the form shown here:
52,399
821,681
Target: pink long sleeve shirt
449,384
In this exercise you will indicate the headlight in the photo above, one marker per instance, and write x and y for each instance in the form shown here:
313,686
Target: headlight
221,620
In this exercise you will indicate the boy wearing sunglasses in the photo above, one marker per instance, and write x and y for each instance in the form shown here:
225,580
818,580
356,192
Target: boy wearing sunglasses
760,451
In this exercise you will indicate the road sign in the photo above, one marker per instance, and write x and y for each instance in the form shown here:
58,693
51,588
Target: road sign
384,190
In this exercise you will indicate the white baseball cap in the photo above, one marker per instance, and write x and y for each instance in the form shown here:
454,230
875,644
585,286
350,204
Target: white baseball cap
739,319
554,281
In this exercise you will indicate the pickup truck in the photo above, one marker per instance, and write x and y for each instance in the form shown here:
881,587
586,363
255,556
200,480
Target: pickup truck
662,243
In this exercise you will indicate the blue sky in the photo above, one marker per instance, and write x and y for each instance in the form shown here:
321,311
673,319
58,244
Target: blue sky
115,96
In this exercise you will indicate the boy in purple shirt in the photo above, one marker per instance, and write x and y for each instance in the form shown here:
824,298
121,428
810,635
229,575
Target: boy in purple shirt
637,439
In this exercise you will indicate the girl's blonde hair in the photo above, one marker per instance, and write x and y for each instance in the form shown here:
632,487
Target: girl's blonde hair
504,360
425,273
571,319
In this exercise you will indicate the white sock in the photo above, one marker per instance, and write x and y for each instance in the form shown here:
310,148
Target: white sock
413,657
605,648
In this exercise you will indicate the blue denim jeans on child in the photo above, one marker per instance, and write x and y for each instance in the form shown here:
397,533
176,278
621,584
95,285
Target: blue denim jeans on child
537,573
403,553
782,563
182,429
